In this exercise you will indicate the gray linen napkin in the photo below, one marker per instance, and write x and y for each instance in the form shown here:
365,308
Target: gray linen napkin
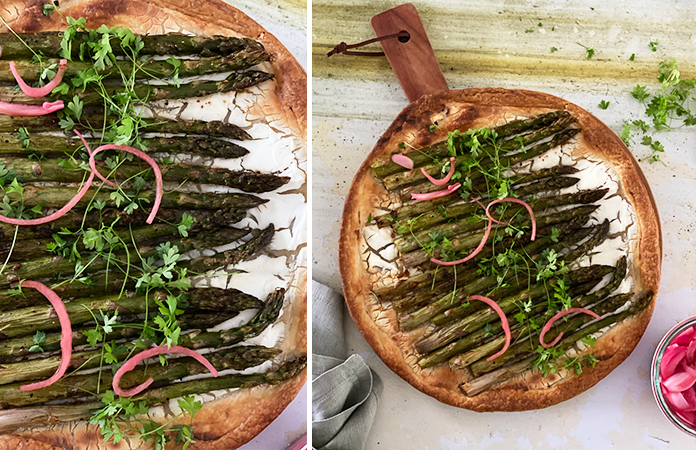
345,391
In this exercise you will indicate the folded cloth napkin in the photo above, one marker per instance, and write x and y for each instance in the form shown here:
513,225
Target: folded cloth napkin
345,391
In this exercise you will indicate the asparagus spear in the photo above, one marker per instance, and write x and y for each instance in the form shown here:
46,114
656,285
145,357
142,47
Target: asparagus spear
418,317
287,370
207,220
86,385
446,333
11,124
486,341
15,375
242,59
443,279
551,175
145,235
48,44
490,380
526,331
431,218
521,350
599,233
462,241
471,348
409,244
412,178
245,180
36,416
54,196
48,266
226,258
430,277
383,168
26,321
17,349
265,317
237,81
55,146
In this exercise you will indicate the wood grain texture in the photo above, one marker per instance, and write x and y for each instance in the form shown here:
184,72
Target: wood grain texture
413,61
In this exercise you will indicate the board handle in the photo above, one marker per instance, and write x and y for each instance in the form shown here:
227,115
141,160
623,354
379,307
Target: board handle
412,58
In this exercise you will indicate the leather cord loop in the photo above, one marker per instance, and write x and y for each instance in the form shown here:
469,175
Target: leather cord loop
344,48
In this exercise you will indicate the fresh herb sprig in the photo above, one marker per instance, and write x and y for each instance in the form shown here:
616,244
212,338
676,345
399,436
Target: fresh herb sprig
122,418
667,108
119,418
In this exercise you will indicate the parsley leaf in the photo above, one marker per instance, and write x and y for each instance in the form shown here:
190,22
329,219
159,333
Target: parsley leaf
39,340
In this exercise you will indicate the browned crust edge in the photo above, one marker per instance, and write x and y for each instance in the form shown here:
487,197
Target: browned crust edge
230,423
412,125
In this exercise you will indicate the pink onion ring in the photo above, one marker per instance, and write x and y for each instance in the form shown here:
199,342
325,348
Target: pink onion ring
685,337
14,109
444,180
690,353
680,381
488,215
671,359
503,321
557,316
468,257
141,155
61,212
402,160
437,194
513,200
142,356
43,90
65,338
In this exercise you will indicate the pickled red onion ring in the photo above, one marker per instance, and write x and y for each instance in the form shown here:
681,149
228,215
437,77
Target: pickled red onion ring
42,91
488,215
468,257
139,154
685,337
503,321
65,338
441,181
14,109
402,160
62,211
691,352
513,200
557,316
677,400
437,194
671,359
142,356
690,397
680,381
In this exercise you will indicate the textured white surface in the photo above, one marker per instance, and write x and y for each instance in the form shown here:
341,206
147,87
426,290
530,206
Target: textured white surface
484,44
288,22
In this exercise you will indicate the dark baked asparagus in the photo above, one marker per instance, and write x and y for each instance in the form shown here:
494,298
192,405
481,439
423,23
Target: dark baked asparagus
51,146
492,379
14,350
48,44
242,59
425,155
245,180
